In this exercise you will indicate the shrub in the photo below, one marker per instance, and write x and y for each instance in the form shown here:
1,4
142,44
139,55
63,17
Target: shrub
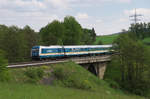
113,83
4,73
60,73
34,74
72,75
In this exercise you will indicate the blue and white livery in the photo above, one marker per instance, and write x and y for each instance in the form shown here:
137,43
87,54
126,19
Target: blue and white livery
41,52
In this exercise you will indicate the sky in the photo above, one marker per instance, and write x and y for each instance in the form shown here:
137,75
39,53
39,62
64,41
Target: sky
105,16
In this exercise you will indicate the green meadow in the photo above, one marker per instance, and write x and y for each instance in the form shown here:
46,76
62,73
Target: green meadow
106,39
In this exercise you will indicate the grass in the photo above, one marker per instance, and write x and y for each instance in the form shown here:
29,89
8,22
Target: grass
18,88
147,40
29,91
75,76
107,39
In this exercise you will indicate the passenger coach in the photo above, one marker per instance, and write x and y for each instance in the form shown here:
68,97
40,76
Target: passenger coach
43,52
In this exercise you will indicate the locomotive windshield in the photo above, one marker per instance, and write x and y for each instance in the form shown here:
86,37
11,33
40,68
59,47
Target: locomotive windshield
35,50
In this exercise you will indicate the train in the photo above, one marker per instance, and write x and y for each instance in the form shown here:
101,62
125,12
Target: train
58,51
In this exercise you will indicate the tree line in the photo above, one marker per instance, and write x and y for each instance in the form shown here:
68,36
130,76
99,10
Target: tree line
140,30
130,67
68,32
17,42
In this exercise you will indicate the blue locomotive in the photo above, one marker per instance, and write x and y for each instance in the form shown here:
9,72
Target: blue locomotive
44,52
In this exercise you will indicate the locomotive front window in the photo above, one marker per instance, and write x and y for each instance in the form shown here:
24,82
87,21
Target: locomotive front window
35,50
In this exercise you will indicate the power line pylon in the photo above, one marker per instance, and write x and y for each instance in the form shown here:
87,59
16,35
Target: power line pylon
135,17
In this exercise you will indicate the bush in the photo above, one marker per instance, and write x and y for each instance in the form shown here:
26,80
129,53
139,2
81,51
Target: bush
34,74
113,84
74,76
100,42
4,73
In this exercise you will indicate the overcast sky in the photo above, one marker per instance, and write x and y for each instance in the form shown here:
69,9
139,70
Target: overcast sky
106,16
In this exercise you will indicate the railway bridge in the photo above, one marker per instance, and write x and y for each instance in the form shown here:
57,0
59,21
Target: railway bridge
95,64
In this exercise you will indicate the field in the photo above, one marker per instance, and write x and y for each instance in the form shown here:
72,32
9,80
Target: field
106,39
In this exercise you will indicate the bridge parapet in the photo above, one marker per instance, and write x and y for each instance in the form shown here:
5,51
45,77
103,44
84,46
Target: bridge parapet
95,59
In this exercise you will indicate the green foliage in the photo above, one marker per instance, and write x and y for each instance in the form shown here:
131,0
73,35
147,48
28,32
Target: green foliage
68,32
140,30
113,83
72,75
133,61
17,42
113,70
89,36
15,90
29,39
53,33
100,43
73,31
34,74
4,73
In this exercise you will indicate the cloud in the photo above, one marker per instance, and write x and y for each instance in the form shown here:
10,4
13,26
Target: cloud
57,4
82,16
36,5
125,1
99,20
37,13
22,4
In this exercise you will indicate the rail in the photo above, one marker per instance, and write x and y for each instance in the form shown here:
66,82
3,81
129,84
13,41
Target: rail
78,60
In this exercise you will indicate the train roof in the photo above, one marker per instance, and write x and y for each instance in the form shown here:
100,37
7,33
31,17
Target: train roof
53,46
75,46
87,46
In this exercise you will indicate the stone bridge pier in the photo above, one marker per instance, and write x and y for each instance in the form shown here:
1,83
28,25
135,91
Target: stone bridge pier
97,69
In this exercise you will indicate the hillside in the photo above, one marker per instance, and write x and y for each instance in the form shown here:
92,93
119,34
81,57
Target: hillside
106,39
29,91
71,82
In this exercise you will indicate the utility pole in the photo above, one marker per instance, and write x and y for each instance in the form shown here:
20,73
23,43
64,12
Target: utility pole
135,17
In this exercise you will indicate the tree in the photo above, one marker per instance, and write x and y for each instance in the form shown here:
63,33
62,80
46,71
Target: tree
93,34
3,30
53,33
16,42
29,39
89,36
140,30
73,31
4,74
133,57
11,43
100,42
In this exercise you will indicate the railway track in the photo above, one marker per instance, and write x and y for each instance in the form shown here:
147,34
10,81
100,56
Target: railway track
46,62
